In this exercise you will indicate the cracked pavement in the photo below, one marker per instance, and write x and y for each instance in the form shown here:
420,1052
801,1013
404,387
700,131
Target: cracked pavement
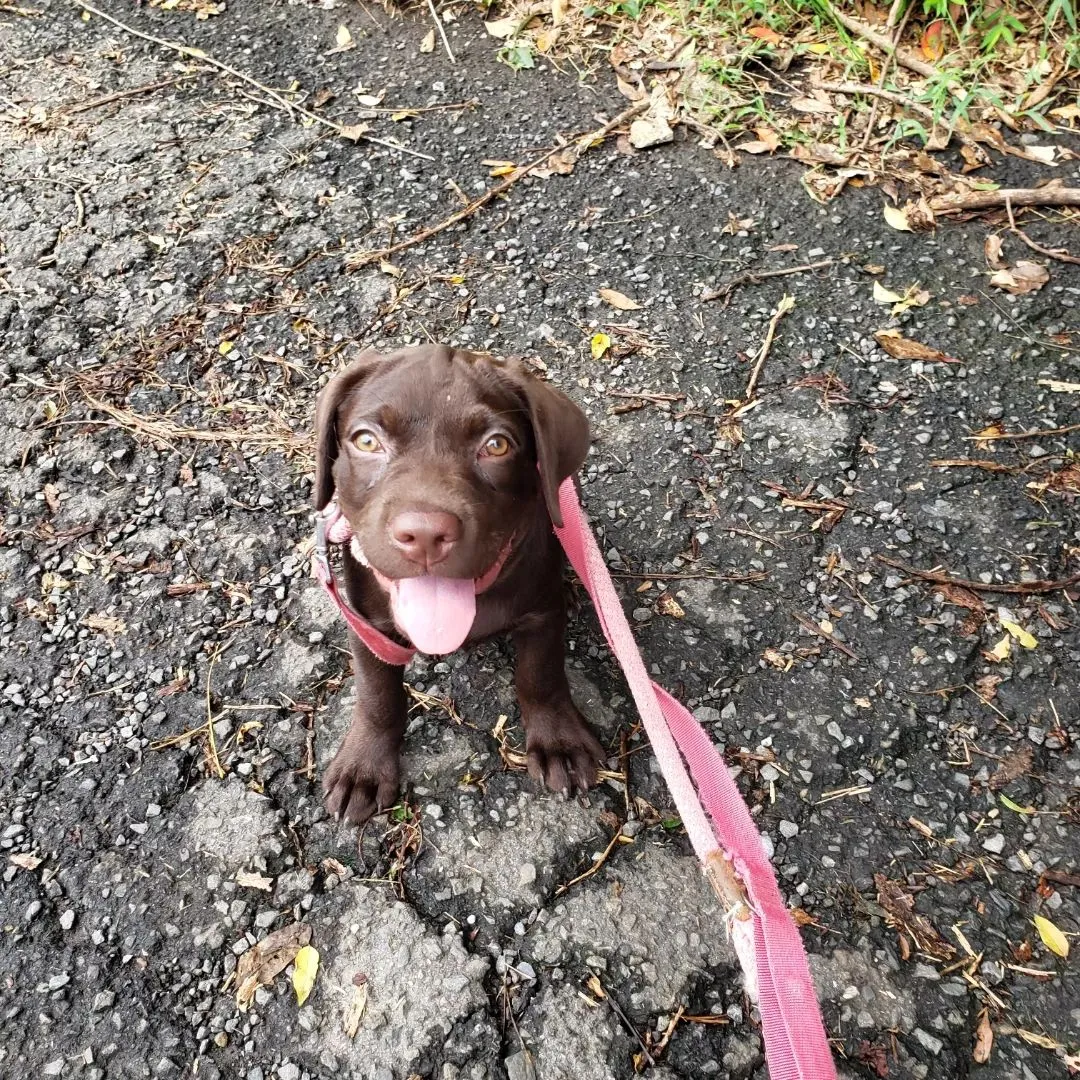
173,292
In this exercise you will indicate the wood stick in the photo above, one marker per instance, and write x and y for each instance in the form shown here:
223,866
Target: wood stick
785,305
366,258
880,41
280,102
752,277
836,643
940,578
442,32
1051,253
990,200
107,99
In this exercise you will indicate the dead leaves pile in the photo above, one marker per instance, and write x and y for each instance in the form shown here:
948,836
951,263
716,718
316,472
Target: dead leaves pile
265,961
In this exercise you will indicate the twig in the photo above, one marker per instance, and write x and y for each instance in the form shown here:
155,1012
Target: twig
1051,253
282,103
785,305
836,643
987,200
1006,436
617,838
442,32
107,99
365,258
896,35
755,277
940,578
629,1027
881,42
899,99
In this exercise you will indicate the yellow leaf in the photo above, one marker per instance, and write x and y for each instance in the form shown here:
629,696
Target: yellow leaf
897,219
618,300
1002,649
598,345
1018,632
502,28
818,48
503,170
305,968
1052,937
225,347
343,38
885,296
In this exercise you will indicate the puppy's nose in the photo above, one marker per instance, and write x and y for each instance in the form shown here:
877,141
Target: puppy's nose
425,537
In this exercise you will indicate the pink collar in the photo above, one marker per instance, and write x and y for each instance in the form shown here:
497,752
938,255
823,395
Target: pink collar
332,527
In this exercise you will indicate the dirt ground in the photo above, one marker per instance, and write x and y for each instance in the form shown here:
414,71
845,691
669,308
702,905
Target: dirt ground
175,286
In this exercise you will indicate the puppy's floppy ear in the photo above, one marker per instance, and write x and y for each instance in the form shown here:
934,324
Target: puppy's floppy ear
560,430
326,436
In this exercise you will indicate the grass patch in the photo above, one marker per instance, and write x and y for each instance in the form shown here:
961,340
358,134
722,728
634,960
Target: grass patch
834,82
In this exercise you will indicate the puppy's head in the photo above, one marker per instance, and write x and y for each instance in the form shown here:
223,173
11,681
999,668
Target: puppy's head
439,456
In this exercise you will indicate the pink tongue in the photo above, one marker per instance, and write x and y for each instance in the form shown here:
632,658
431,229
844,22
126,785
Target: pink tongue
435,613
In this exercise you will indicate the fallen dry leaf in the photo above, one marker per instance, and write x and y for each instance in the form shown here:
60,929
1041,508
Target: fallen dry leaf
343,37
896,218
765,33
110,625
885,296
1013,766
354,131
899,905
618,300
24,861
267,959
984,1039
355,1012
427,43
502,28
932,42
666,604
598,345
305,968
1024,277
811,106
558,12
249,880
895,344
992,252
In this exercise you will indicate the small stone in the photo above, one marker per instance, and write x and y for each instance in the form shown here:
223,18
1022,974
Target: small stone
103,1000
289,1071
788,829
67,920
928,1041
994,843
433,810
526,874
519,1066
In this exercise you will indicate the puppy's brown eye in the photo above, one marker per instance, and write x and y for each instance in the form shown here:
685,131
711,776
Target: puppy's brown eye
496,446
366,442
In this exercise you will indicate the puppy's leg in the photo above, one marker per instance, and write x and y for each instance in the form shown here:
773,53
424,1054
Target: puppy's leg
561,750
365,775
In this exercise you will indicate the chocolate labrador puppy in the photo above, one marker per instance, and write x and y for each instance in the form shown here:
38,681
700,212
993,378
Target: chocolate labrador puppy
447,466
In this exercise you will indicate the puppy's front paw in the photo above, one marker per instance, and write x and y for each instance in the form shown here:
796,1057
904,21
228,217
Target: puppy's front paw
363,779
562,752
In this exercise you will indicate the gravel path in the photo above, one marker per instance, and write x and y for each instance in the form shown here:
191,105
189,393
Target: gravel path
173,291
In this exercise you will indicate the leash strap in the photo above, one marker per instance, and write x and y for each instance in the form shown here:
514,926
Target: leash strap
765,936
716,819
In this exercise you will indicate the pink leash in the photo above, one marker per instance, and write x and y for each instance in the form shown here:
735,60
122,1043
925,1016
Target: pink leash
716,819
